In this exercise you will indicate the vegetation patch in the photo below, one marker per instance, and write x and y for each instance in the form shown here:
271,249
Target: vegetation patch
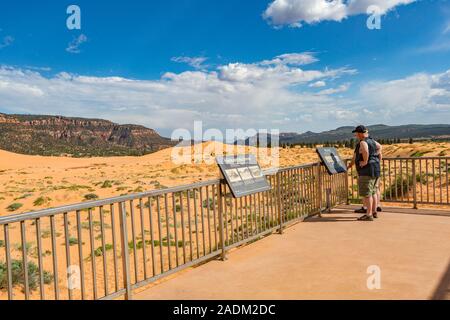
41,201
14,207
91,196
18,275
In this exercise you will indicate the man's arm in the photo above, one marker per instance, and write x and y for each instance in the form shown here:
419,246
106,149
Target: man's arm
380,151
365,153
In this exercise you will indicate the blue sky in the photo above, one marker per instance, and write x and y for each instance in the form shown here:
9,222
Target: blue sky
166,64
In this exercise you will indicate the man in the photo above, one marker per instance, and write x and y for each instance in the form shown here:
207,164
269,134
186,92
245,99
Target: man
379,208
367,157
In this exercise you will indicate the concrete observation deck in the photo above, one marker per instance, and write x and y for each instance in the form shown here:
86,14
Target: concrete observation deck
328,258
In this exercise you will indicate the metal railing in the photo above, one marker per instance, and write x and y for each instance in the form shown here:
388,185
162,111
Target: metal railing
106,249
411,180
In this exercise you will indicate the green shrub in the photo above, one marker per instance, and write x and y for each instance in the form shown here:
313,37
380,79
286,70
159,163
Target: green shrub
208,203
107,184
18,275
91,196
41,201
28,246
73,241
14,207
395,189
27,195
99,251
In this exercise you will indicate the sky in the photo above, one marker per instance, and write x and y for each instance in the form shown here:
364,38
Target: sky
291,65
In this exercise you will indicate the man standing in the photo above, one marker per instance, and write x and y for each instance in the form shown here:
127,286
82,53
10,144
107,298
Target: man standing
367,158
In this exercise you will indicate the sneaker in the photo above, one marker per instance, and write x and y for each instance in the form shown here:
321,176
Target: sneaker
362,210
375,216
365,218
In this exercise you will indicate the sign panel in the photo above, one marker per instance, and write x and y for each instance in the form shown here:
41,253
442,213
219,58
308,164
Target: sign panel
243,175
332,160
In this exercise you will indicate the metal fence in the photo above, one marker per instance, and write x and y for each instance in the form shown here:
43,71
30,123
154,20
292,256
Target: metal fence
106,249
411,180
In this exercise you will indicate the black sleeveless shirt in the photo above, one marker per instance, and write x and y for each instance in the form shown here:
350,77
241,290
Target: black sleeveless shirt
373,168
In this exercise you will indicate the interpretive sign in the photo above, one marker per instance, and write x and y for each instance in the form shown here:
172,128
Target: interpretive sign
243,175
332,160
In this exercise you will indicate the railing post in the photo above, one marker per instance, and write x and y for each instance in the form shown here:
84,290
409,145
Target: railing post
125,251
414,181
347,186
319,188
279,202
328,199
221,222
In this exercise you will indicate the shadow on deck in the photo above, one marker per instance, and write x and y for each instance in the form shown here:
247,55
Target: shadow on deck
322,259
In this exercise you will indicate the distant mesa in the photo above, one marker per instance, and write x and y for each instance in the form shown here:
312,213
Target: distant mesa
77,137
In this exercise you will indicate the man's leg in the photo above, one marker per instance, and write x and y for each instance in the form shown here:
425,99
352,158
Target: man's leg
368,203
375,205
367,195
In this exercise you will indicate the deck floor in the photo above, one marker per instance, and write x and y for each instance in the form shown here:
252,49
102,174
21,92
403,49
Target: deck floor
328,258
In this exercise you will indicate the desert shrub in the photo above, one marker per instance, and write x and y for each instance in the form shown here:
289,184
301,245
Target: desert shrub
28,246
421,178
14,207
2,243
24,196
107,184
77,187
73,241
208,203
146,205
401,183
18,275
41,201
99,251
91,196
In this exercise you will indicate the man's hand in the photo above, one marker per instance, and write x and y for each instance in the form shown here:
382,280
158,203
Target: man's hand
362,164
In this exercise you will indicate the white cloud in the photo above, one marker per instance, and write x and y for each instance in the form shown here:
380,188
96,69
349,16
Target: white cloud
340,89
318,84
420,97
297,12
74,45
6,42
294,59
195,62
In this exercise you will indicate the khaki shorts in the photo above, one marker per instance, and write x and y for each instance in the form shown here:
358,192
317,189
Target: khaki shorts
368,186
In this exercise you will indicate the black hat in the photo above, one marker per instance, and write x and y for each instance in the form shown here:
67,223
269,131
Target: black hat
360,129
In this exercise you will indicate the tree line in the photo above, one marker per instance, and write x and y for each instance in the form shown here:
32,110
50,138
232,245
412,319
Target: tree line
343,143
